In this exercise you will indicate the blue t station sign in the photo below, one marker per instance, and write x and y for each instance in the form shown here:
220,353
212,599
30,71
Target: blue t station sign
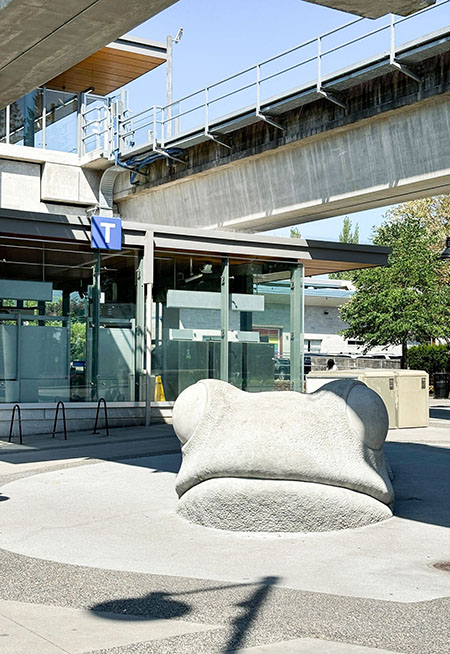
106,233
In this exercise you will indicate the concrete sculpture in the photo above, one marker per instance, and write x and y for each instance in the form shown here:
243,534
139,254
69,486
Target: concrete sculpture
282,461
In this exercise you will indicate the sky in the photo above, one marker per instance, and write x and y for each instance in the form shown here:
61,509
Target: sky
222,38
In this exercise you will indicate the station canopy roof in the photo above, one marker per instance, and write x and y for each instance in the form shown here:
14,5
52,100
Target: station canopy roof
110,68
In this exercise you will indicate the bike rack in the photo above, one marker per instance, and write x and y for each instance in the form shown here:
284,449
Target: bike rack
60,404
102,399
16,406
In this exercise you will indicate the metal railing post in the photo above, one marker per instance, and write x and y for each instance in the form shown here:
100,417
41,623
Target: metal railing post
97,134
258,89
80,126
155,137
60,404
163,126
319,64
16,406
206,110
392,33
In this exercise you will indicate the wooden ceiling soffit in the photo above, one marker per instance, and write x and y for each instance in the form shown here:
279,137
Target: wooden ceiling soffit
111,67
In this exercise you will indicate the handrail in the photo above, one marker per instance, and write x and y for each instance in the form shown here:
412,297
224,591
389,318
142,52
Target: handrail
16,406
102,399
116,127
132,124
60,404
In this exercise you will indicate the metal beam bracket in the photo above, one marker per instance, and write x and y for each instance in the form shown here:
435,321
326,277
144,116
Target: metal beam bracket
332,98
166,154
406,71
214,138
269,120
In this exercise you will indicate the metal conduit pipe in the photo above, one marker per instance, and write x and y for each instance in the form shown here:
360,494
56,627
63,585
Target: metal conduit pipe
106,190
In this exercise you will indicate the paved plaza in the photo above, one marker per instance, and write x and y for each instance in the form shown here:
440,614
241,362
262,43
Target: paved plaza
94,558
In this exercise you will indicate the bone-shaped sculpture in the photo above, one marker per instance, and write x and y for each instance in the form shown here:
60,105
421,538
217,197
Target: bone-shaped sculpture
282,461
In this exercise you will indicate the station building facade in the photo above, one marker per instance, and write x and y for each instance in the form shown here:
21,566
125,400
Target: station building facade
137,324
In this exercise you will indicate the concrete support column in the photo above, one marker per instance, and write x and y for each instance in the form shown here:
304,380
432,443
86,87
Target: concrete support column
224,314
297,329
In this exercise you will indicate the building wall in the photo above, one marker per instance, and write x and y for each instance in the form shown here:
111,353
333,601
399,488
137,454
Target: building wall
49,182
321,323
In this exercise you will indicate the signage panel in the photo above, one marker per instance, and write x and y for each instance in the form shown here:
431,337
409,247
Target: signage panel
106,233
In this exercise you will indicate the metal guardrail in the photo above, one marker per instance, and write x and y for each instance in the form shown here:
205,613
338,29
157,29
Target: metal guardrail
107,124
163,125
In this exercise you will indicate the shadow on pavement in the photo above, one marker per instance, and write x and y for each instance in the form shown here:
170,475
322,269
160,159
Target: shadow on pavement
163,606
155,462
440,413
154,606
242,623
421,482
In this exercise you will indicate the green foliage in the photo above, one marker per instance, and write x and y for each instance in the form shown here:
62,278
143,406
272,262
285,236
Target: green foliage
295,232
431,358
409,299
347,235
78,341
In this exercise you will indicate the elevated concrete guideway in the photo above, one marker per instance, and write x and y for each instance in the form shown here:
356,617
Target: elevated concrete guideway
374,134
376,8
43,38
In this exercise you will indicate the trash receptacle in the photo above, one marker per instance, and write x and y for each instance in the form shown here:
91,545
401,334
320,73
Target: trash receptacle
441,381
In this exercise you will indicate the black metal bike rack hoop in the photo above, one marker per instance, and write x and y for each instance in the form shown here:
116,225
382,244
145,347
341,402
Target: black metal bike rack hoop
60,404
16,406
102,399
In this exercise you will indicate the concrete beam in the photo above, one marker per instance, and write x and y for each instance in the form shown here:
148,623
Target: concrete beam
379,161
43,38
376,8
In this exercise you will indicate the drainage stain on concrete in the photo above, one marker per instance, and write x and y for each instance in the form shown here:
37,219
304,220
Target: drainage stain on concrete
442,565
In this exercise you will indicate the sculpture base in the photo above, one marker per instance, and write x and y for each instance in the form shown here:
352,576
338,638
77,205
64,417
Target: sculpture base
277,505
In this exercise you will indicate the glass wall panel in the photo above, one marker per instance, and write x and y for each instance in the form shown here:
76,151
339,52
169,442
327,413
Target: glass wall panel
61,121
186,322
260,325
3,125
221,318
56,341
118,369
25,120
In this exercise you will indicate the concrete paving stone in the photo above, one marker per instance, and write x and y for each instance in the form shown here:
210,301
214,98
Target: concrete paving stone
311,646
16,639
78,631
384,595
52,516
249,614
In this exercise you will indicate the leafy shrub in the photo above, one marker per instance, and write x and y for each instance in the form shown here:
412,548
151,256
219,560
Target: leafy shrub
431,358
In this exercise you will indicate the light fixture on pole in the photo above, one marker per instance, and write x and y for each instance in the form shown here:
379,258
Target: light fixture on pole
445,255
169,82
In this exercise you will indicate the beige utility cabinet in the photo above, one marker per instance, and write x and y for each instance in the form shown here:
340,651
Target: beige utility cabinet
404,392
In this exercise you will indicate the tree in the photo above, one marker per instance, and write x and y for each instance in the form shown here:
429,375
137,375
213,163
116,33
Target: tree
295,232
409,299
347,236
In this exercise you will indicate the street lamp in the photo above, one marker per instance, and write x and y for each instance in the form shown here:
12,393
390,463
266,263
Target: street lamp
169,83
445,255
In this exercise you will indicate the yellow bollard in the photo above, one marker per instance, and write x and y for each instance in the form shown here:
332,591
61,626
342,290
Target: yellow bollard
159,390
